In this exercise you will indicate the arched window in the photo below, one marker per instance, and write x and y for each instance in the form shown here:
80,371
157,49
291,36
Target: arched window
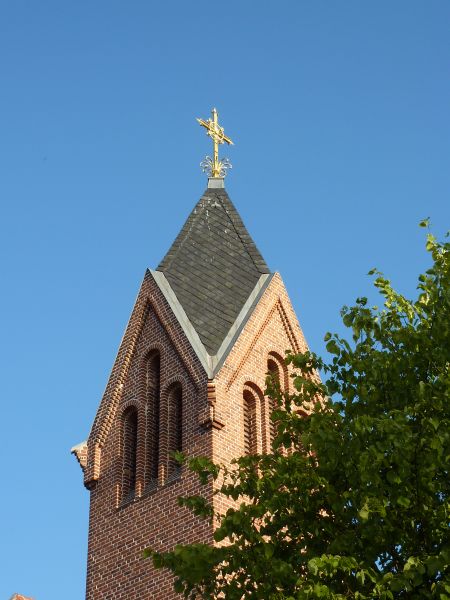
129,453
175,429
277,365
152,386
273,370
250,423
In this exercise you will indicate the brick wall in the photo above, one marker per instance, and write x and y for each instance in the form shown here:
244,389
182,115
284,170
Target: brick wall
121,526
271,330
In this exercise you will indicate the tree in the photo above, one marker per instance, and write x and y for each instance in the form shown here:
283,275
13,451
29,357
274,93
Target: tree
353,501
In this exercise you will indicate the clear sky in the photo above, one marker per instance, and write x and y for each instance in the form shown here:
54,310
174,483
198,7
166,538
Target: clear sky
340,116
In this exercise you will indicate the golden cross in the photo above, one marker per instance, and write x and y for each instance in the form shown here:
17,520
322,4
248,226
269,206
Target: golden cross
216,133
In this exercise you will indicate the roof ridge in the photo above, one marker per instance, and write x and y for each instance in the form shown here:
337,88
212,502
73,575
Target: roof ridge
241,230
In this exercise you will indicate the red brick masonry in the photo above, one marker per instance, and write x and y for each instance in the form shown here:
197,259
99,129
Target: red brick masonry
212,425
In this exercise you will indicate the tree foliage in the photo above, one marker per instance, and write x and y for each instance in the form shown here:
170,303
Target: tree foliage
358,506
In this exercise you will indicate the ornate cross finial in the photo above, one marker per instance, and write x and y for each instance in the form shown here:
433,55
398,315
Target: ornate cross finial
214,166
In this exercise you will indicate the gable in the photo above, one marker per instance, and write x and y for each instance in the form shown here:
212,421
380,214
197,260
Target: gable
272,326
150,304
211,363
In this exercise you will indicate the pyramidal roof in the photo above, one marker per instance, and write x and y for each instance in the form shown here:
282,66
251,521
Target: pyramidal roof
213,267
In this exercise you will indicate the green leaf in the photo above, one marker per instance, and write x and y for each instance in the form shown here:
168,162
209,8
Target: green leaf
332,347
435,422
403,501
268,550
364,511
356,483
393,477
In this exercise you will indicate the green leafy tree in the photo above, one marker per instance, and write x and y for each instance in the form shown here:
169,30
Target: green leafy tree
353,502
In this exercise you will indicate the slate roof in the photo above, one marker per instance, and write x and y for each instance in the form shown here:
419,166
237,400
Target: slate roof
212,266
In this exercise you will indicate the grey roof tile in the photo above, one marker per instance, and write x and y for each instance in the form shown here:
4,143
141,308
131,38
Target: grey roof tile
213,266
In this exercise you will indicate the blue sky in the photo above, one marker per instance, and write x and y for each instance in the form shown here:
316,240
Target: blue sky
340,116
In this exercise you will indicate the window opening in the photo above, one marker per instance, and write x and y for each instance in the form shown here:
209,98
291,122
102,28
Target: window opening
175,430
250,436
153,368
130,425
274,371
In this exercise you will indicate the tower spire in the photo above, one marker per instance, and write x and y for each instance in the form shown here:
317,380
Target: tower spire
215,168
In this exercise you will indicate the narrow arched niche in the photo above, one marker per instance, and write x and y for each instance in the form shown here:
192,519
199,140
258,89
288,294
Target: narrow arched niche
152,392
276,368
250,422
276,365
175,429
129,453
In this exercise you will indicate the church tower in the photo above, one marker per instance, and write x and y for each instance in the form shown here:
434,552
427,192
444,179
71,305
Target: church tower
208,324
